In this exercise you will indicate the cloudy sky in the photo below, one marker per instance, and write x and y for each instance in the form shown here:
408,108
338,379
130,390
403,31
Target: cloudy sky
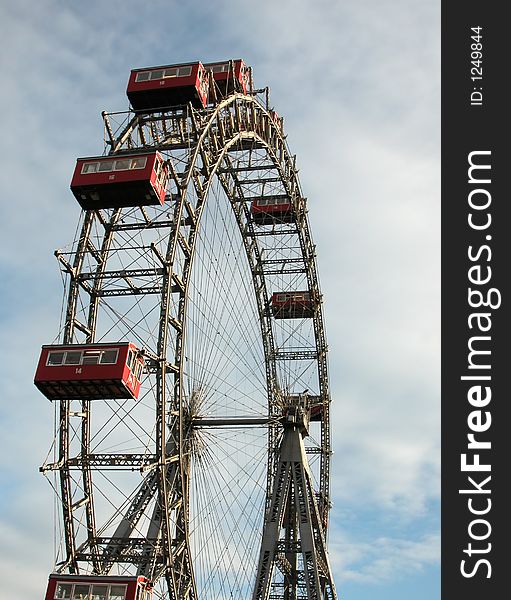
358,84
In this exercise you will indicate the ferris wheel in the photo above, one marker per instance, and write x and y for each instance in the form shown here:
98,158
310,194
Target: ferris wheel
192,443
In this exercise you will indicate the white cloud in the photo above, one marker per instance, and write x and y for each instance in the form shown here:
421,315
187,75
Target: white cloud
382,559
24,568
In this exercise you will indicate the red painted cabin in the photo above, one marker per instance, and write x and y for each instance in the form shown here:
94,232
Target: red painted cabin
316,412
90,371
154,88
292,305
97,587
277,120
120,180
272,209
230,76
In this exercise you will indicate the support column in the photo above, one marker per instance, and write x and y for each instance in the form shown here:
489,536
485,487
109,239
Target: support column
293,561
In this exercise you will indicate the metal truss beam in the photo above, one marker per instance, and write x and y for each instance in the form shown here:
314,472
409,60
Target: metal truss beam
296,355
103,461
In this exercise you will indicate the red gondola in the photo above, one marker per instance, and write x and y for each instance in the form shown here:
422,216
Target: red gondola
90,371
292,305
97,587
230,76
268,210
316,412
277,120
172,85
120,180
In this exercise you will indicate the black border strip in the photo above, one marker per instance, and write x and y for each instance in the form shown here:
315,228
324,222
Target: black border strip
475,299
